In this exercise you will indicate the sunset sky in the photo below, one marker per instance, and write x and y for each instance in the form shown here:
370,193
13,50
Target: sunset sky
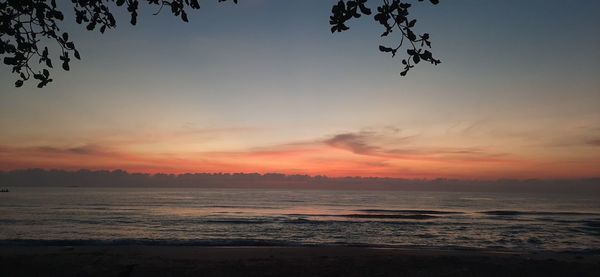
263,86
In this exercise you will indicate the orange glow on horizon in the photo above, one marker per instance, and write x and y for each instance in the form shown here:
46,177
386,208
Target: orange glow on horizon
317,159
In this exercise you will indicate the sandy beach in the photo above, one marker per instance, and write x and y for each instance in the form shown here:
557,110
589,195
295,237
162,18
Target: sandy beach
284,261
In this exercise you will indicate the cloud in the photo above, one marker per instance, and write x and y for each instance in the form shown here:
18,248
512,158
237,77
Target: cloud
356,142
392,146
57,151
188,132
88,149
594,142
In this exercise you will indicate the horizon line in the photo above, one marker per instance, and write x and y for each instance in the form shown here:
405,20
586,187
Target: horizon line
288,175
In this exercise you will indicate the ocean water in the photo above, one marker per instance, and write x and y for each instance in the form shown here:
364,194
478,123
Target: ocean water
189,216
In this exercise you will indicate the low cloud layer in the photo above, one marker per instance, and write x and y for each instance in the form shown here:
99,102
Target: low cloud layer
386,152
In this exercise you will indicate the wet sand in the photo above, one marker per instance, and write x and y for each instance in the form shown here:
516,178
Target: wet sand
285,261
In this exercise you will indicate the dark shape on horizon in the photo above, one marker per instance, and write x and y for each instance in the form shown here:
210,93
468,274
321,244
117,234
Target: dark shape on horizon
36,177
28,27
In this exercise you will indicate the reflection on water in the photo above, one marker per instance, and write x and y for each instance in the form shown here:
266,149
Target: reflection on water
300,217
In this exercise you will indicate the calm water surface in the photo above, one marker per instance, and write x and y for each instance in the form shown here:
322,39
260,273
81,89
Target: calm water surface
300,217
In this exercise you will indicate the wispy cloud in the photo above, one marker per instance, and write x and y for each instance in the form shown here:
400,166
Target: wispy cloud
402,147
594,142
356,142
88,149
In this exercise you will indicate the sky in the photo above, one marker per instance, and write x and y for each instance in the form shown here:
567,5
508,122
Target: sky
263,86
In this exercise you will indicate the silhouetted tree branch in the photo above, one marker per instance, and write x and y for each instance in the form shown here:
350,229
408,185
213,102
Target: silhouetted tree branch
392,15
29,27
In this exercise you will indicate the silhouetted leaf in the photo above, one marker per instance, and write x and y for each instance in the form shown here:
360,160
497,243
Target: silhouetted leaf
184,16
385,49
10,61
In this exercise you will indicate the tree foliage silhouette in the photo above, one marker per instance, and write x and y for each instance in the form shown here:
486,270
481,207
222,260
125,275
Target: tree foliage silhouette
29,27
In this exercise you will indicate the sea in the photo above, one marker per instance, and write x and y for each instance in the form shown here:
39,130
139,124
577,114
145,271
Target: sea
259,217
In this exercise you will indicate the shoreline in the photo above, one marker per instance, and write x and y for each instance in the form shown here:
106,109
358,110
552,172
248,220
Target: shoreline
146,260
281,244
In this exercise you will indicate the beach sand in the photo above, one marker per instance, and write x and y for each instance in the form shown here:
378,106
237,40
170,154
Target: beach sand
284,261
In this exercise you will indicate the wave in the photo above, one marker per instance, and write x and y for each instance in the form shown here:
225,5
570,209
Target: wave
238,207
517,213
157,242
365,216
241,221
185,242
391,216
275,243
409,211
595,224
